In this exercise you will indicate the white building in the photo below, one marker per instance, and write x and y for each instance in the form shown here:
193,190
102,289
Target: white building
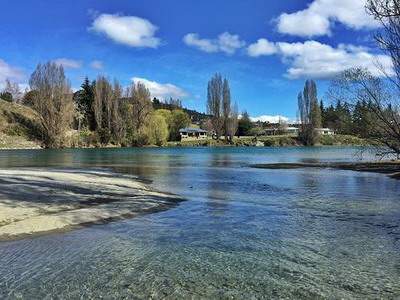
325,131
192,134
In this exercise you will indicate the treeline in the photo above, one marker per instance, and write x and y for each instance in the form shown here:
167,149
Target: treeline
99,114
349,119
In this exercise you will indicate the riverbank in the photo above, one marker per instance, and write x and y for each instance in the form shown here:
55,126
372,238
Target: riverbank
391,168
37,201
272,141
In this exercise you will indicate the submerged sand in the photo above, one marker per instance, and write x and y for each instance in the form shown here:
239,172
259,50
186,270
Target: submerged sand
42,200
391,168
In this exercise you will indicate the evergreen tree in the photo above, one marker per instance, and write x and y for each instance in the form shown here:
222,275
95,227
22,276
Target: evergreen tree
245,124
84,99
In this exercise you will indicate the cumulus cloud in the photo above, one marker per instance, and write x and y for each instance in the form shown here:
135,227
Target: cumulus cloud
320,16
68,63
9,72
161,90
316,60
128,30
261,47
97,65
270,119
226,42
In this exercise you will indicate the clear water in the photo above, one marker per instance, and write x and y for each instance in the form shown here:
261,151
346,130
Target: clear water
242,233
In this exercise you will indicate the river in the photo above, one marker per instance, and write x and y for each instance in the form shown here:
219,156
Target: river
242,232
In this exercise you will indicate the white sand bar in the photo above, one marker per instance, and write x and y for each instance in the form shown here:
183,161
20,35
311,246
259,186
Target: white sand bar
44,200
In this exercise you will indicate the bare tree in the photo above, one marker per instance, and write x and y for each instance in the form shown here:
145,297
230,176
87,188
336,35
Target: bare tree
118,126
140,99
53,102
381,95
359,85
214,103
309,113
106,110
226,109
11,91
232,122
102,108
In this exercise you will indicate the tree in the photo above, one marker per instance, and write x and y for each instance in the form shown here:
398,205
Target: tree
214,103
179,120
362,120
157,129
11,92
377,107
6,96
84,99
309,113
359,85
53,102
109,125
244,124
232,122
226,109
29,97
102,109
141,103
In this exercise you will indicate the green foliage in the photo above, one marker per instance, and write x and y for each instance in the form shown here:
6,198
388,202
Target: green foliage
180,120
6,96
84,99
342,140
157,130
244,125
255,131
175,119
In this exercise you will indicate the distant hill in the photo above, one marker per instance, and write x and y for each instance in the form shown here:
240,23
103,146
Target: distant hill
19,126
195,116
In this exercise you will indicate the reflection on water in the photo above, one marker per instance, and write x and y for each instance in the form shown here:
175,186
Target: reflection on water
243,233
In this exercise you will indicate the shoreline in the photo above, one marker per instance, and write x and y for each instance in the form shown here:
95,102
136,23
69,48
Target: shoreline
39,201
390,168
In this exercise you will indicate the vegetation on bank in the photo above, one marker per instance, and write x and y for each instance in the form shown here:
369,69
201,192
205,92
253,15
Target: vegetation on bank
272,141
19,126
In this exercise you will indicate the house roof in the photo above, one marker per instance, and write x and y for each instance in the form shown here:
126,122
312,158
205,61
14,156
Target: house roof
192,130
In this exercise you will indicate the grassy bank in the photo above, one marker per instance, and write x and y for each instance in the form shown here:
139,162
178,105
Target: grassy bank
19,127
272,141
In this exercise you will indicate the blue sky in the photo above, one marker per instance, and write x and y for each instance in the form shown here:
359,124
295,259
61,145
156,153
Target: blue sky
267,49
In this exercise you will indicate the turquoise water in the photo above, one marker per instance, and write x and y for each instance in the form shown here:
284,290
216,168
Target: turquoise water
242,233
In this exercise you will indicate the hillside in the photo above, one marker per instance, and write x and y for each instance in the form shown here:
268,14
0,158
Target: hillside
195,116
19,126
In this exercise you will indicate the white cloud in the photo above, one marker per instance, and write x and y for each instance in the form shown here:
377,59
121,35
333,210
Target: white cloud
316,60
261,47
161,90
97,64
226,42
9,72
68,63
270,119
127,30
320,16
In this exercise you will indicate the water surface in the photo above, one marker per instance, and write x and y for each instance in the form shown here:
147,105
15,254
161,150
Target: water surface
243,233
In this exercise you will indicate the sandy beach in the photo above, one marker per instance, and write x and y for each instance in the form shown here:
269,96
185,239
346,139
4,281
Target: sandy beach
34,201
